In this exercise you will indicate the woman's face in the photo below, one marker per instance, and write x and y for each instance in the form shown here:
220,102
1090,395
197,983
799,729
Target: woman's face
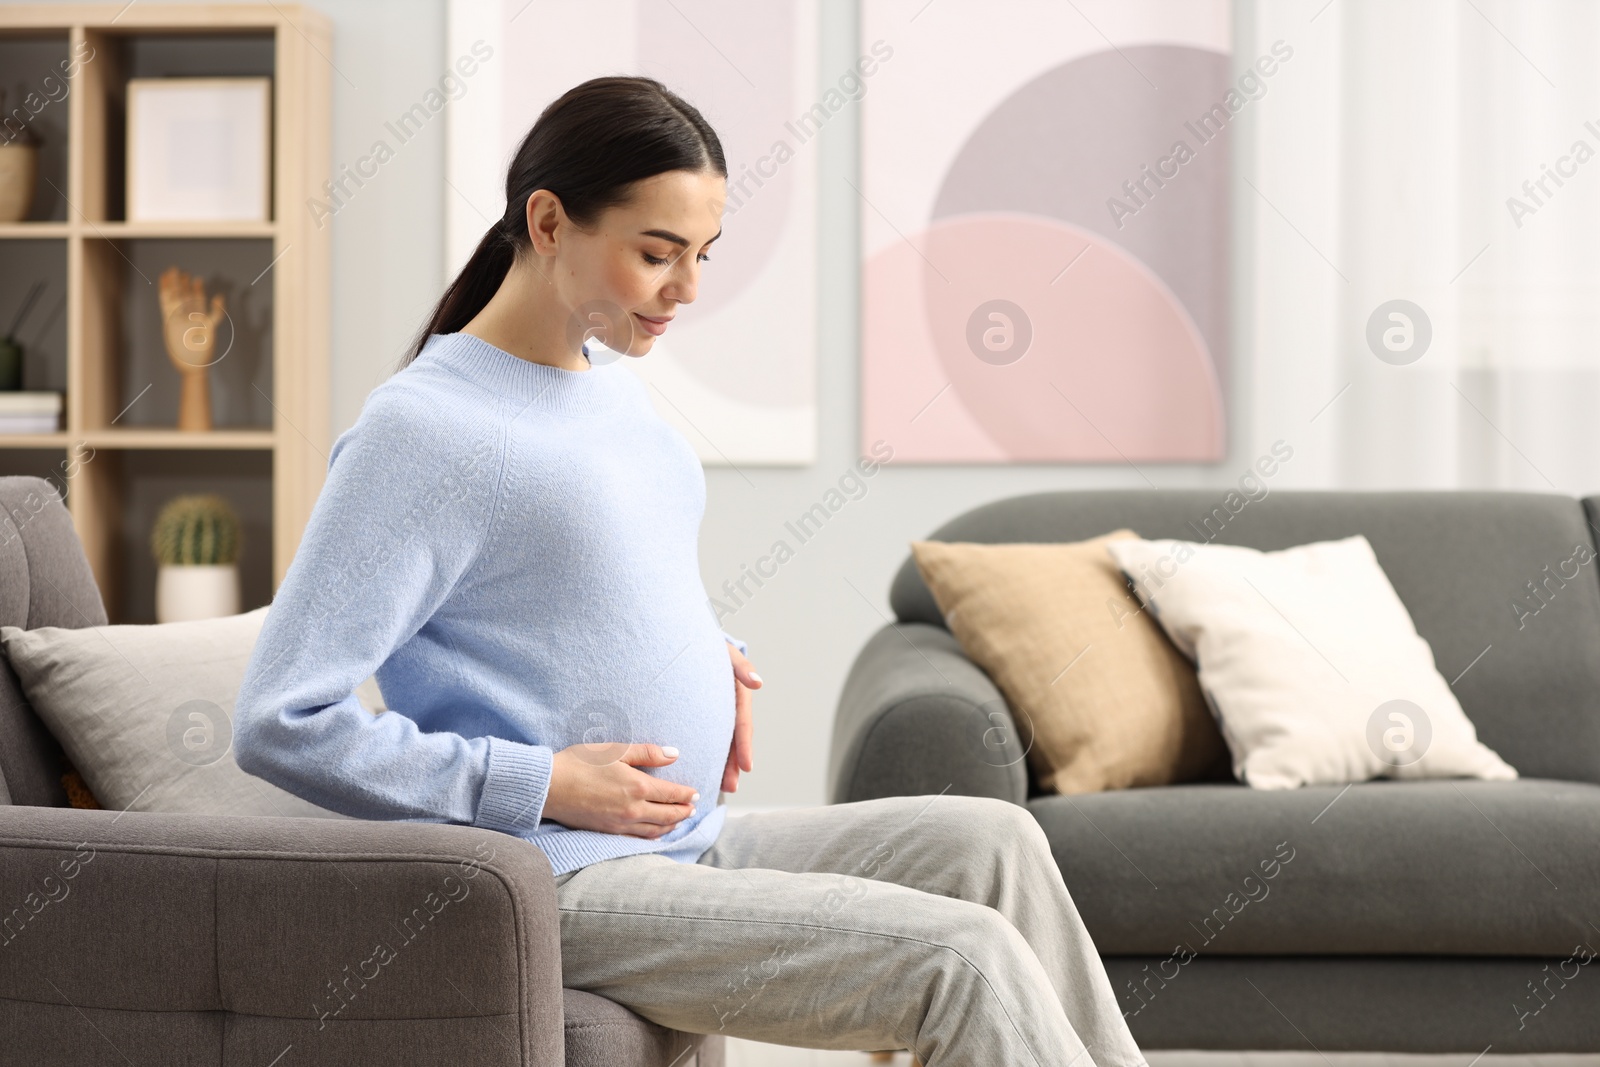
626,277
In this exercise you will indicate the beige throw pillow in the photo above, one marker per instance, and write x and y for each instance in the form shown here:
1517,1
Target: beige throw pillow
1109,700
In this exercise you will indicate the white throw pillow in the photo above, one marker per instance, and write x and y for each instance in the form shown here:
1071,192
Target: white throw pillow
145,712
1310,662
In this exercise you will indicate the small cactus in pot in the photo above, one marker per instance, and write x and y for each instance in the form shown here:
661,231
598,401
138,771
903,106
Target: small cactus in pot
196,541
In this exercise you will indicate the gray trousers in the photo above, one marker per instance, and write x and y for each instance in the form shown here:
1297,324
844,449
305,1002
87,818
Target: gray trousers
938,924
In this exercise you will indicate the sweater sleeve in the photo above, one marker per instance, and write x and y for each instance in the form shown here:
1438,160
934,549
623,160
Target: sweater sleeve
400,519
744,649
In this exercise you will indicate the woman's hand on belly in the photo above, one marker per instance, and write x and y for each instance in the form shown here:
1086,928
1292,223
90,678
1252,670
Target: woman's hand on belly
598,787
741,753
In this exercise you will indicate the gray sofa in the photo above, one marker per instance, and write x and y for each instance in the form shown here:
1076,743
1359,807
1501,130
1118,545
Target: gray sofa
151,938
1438,916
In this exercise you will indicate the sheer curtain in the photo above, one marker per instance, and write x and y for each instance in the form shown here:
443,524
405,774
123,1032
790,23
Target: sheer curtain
1381,165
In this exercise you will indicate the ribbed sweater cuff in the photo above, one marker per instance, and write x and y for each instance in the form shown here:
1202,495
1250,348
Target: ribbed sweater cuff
515,788
744,649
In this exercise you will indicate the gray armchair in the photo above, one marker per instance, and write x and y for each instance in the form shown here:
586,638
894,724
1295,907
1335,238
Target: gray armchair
145,937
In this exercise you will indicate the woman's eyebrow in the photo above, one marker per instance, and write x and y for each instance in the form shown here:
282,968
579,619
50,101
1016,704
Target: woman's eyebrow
668,235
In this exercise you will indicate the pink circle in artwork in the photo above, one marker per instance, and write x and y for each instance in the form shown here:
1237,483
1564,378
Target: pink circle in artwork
1057,346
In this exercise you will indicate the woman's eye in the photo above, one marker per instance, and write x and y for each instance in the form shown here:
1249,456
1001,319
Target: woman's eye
656,261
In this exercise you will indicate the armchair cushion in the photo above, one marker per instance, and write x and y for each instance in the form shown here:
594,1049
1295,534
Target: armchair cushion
602,1033
145,712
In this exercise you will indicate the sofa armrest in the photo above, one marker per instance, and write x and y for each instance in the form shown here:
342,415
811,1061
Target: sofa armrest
349,940
917,717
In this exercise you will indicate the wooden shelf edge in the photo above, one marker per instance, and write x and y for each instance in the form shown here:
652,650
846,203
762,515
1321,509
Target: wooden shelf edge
223,229
147,438
147,18
34,231
118,231
153,437
34,440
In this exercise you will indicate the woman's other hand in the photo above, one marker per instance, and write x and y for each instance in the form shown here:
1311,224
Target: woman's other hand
598,787
741,753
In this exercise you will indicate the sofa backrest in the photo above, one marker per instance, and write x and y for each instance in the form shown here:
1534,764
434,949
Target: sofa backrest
1502,585
45,580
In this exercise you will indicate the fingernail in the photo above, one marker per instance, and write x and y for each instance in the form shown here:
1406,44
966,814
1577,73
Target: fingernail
669,750
756,676
694,798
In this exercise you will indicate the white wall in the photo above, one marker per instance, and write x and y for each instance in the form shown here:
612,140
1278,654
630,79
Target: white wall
388,239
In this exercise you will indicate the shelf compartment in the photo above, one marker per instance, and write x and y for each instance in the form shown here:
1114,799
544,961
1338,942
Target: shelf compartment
116,494
43,334
132,51
40,461
36,63
130,383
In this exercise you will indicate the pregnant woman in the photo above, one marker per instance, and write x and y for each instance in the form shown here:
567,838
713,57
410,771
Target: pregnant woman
507,538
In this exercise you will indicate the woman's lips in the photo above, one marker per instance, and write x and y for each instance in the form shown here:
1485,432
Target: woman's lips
654,327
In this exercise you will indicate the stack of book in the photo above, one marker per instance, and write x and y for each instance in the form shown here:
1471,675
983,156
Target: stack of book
30,412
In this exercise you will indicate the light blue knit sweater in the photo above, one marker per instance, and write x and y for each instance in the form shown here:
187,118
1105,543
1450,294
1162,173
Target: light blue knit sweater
511,547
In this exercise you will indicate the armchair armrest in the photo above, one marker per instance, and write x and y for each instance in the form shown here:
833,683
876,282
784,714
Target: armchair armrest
916,717
350,941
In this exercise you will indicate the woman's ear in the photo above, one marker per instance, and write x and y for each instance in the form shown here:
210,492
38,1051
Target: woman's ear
545,219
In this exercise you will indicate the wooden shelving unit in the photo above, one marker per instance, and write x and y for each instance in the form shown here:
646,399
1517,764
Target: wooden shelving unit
119,456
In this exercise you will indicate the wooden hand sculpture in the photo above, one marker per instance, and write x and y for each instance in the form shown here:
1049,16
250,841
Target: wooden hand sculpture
190,333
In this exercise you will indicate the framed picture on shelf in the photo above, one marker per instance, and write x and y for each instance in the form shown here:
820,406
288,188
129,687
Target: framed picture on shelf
199,149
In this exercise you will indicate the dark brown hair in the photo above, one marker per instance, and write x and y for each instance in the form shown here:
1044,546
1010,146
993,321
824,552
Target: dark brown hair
588,147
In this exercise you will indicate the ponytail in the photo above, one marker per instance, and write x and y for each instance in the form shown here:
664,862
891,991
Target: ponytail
473,287
588,148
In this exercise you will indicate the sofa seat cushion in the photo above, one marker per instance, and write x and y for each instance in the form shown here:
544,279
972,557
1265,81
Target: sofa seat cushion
1451,867
602,1033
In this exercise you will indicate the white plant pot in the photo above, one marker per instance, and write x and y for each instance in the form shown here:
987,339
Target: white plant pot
196,591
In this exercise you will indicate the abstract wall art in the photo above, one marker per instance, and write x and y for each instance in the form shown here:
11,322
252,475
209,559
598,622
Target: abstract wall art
1045,230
